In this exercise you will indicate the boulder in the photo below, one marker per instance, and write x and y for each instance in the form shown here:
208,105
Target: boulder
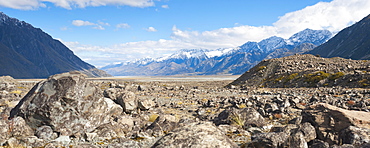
146,104
198,134
241,117
46,133
355,136
68,103
128,101
272,139
162,125
329,120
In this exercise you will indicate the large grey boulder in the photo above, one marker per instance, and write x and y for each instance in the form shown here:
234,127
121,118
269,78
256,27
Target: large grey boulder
197,134
242,117
329,121
68,103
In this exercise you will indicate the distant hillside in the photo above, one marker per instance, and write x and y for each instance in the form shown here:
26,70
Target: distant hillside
307,71
222,61
28,52
352,42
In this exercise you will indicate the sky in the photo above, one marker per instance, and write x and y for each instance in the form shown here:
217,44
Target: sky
103,32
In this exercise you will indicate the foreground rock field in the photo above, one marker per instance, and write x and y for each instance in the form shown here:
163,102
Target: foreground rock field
68,110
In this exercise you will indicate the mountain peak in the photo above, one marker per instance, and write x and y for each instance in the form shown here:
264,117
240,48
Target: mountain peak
315,37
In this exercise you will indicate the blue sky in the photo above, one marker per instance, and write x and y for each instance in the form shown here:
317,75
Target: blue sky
108,31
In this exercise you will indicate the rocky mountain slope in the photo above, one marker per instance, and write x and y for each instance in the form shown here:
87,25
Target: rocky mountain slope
28,52
223,61
307,71
352,42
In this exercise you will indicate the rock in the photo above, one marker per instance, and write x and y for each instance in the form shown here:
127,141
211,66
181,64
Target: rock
355,136
308,131
46,133
67,102
126,123
128,101
316,143
271,139
162,125
19,128
109,131
142,88
91,137
242,117
146,104
201,134
111,93
31,141
329,120
62,140
297,140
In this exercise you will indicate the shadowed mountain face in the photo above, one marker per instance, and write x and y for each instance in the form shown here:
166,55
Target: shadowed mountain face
352,42
28,52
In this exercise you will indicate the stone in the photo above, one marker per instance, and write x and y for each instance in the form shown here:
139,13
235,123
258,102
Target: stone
316,143
126,123
242,117
272,139
128,101
308,131
198,134
91,137
111,93
45,132
146,104
19,128
67,102
63,140
163,124
297,140
329,120
32,141
355,136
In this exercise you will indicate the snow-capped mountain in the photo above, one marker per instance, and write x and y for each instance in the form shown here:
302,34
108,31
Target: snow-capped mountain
224,60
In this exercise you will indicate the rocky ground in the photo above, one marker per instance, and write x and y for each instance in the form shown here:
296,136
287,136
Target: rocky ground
68,110
307,71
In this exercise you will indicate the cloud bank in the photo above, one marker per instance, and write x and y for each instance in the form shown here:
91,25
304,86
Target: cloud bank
69,4
333,16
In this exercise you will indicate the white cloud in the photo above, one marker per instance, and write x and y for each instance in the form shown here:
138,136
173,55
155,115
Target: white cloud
69,4
99,27
123,26
334,16
82,23
165,6
151,29
103,23
22,4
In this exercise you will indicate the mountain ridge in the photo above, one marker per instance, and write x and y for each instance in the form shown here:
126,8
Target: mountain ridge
224,60
29,52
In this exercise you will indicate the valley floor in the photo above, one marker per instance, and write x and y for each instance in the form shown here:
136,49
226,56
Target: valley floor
180,100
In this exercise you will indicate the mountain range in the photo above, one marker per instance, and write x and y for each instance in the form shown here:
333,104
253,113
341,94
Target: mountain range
28,52
222,61
352,42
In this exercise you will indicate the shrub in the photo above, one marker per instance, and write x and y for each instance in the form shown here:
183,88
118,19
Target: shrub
261,68
237,120
316,77
336,75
